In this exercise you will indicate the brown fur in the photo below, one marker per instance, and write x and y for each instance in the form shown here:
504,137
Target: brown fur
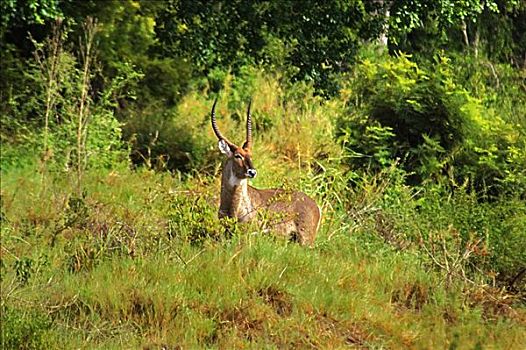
291,214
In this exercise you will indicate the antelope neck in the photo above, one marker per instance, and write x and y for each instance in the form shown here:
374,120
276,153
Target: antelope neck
235,200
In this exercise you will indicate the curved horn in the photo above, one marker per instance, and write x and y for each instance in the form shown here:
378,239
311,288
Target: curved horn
248,142
214,125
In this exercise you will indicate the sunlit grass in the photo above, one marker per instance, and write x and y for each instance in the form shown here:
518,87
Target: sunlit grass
115,278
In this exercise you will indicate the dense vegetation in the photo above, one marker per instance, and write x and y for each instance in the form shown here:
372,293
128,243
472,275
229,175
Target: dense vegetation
405,120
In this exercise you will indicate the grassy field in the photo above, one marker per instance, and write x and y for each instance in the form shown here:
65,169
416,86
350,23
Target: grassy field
139,260
414,147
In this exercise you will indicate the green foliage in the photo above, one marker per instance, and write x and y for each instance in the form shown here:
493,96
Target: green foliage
318,39
192,219
410,113
456,229
47,116
418,162
24,329
172,141
402,110
184,281
466,26
23,269
497,148
18,12
167,80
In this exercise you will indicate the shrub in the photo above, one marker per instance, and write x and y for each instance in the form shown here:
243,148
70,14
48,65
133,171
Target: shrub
24,330
193,219
400,109
66,119
404,111
454,230
167,141
182,138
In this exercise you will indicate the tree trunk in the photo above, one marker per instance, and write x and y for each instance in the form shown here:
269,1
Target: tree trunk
464,28
385,7
476,40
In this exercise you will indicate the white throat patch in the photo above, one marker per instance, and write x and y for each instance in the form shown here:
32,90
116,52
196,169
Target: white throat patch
239,202
235,181
231,179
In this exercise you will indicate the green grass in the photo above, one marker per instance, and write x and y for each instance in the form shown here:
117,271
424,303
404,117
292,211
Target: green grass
140,261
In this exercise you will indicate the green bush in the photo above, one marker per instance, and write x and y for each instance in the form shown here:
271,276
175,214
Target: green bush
404,111
165,80
497,146
193,219
399,109
168,141
69,111
24,330
454,231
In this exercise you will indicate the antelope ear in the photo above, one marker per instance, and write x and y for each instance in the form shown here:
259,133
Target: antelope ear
225,148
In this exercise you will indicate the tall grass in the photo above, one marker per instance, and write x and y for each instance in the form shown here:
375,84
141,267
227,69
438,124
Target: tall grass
115,268
138,258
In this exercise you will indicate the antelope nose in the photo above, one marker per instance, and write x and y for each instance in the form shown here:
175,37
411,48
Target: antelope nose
252,173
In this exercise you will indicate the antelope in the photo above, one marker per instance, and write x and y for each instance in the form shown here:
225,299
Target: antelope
295,215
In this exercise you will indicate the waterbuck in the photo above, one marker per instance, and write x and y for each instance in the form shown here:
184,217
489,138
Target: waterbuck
289,213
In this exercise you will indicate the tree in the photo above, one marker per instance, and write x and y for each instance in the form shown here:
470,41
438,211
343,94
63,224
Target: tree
418,26
320,38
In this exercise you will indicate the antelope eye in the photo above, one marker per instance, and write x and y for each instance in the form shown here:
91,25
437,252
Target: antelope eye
238,156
